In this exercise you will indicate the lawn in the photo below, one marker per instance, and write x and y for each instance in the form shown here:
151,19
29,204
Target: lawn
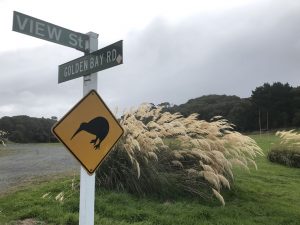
269,195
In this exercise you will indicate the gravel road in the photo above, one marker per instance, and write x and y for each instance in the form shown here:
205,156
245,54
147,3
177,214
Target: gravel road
23,163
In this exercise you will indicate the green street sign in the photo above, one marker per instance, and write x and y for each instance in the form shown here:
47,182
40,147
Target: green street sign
101,59
41,29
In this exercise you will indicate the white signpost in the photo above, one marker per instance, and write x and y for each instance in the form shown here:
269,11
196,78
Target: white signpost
87,182
107,57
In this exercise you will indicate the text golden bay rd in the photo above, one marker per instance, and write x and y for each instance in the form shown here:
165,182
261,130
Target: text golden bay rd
91,62
101,59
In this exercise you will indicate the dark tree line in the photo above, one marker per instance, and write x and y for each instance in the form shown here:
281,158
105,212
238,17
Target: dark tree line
25,129
269,107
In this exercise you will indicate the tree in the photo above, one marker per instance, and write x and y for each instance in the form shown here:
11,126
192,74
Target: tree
54,118
242,115
24,129
296,106
165,104
274,103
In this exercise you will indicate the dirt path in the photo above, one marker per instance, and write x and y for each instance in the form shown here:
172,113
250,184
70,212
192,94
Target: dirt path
22,163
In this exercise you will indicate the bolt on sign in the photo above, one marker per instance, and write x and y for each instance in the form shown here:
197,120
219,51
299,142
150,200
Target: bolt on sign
89,131
41,29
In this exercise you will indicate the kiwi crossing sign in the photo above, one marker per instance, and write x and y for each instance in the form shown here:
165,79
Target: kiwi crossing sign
109,56
89,131
41,29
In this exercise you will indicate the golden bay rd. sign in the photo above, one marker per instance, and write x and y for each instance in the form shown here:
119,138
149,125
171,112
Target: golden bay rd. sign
109,56
89,131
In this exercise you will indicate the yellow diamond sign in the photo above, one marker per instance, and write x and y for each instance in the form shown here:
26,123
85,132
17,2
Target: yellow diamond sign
89,131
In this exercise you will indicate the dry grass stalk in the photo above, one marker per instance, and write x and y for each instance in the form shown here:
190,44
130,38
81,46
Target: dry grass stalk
65,193
219,196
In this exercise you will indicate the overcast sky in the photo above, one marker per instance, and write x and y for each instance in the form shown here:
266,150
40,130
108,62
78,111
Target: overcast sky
173,51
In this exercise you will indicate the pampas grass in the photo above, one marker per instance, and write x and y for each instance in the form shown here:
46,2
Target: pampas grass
289,138
160,152
3,134
287,152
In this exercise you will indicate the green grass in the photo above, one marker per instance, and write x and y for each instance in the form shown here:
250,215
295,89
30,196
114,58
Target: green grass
268,196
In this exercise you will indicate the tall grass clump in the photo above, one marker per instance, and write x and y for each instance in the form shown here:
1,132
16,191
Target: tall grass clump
3,135
165,154
287,152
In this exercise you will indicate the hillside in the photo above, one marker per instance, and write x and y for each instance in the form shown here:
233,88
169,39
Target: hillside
269,107
235,109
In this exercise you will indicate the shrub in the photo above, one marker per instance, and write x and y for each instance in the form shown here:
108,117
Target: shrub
3,139
287,152
164,153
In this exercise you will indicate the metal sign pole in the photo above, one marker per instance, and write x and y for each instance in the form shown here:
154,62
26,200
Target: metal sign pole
87,182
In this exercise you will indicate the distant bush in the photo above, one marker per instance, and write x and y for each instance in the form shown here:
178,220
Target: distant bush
167,154
287,152
282,155
25,129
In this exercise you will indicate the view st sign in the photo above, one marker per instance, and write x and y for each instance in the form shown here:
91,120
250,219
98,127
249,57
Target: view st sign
41,29
109,56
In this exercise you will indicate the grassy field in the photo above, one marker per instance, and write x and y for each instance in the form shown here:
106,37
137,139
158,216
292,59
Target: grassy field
269,195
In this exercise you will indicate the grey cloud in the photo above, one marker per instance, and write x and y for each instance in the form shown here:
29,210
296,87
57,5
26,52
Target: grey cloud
28,82
231,53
